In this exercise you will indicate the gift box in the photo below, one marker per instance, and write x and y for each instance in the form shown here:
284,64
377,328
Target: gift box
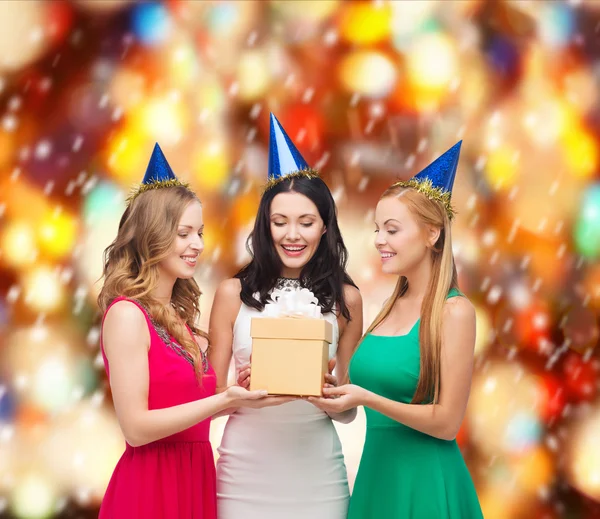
290,355
290,346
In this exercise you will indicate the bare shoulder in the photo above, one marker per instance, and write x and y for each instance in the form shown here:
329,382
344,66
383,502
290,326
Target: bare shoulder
124,314
229,288
227,302
352,296
353,301
459,309
125,327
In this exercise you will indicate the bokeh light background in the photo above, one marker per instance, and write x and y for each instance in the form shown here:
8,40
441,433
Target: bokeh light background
370,92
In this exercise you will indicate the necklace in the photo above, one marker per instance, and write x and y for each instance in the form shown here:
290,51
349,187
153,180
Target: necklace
166,338
283,283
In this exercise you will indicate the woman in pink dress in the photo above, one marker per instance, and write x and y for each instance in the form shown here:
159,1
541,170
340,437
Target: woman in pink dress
162,385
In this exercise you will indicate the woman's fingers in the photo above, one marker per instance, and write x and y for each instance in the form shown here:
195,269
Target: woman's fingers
257,395
244,376
331,379
333,391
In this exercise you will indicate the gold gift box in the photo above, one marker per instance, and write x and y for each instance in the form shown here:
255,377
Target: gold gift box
290,355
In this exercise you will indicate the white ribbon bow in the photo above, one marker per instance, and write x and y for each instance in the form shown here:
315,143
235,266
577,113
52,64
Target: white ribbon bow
288,302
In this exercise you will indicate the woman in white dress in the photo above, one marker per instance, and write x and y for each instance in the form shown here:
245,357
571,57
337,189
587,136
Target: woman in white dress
283,459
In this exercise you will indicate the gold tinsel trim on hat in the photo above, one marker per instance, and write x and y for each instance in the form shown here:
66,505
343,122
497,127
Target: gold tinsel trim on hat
306,173
155,184
433,193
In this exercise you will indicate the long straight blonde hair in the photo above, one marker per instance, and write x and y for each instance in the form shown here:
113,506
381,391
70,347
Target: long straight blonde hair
146,235
443,279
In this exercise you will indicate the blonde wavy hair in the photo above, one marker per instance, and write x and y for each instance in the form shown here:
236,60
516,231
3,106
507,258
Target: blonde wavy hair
147,231
443,279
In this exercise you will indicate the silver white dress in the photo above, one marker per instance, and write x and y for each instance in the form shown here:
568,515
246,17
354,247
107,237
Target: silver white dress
282,462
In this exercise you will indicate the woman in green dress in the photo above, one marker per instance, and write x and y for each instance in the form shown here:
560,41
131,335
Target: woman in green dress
412,371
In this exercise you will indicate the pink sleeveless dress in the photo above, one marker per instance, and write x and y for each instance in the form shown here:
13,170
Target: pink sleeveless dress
173,477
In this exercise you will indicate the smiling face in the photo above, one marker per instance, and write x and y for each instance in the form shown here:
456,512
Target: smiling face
402,242
188,245
296,229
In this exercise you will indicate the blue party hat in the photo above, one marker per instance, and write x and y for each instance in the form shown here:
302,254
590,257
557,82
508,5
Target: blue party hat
284,158
158,174
158,169
437,179
442,170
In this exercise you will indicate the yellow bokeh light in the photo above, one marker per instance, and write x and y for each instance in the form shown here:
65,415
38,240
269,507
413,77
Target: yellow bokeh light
475,87
496,503
581,153
53,384
368,73
253,74
299,10
183,65
432,63
210,97
18,244
211,167
501,393
501,169
547,117
163,120
583,465
83,448
409,17
16,20
57,235
534,471
128,155
34,496
366,23
410,97
44,291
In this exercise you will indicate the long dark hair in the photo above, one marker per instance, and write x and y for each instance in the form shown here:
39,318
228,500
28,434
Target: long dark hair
324,274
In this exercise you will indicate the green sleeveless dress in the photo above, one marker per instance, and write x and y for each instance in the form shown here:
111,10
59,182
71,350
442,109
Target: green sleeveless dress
403,473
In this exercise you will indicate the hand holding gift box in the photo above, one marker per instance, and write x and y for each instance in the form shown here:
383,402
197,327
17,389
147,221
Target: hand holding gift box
290,345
